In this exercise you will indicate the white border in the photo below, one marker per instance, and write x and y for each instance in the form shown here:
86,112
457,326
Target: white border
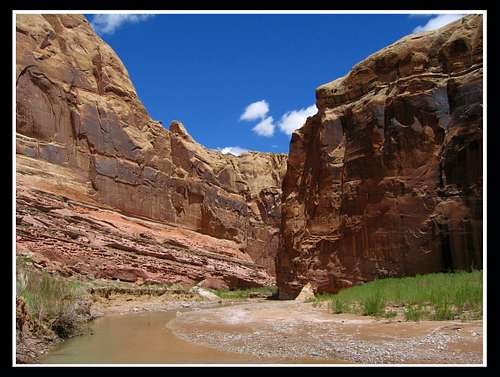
228,12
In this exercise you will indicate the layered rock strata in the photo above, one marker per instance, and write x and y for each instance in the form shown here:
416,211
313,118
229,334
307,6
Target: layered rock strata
84,136
386,179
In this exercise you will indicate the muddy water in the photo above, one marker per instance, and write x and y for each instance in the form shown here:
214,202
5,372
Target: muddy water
140,338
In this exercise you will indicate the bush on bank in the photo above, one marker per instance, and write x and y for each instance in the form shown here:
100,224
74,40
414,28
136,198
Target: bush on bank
58,304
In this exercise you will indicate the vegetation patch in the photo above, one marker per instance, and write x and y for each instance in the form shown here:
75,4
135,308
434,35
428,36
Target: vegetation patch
338,306
54,303
390,314
241,294
439,296
373,305
413,313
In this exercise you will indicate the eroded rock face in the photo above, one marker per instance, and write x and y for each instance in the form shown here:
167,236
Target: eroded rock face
75,239
386,179
77,109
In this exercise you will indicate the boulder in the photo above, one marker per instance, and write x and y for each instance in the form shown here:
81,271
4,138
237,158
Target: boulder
204,293
306,294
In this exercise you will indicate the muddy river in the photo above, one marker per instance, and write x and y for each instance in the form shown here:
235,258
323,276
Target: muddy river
140,338
271,332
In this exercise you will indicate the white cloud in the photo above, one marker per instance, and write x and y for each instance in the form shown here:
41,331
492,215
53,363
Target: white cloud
265,127
292,120
108,23
236,151
256,110
437,22
289,122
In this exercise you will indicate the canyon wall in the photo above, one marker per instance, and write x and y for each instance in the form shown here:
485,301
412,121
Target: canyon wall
386,179
86,146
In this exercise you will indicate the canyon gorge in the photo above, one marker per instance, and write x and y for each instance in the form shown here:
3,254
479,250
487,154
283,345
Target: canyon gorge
385,180
103,191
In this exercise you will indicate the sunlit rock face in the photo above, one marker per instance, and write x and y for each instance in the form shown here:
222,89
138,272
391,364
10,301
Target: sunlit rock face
83,134
386,179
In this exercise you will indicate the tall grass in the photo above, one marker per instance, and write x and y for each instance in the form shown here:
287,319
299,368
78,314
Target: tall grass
414,313
338,306
437,296
373,305
55,302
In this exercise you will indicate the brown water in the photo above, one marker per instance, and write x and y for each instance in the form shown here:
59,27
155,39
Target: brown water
136,338
141,338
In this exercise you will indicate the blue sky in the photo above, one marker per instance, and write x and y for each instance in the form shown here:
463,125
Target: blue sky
245,80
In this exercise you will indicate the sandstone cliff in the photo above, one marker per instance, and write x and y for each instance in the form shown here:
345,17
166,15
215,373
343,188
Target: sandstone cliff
94,171
386,179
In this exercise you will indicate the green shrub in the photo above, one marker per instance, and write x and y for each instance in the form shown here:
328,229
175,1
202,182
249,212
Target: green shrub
53,301
413,313
373,305
443,312
389,314
338,306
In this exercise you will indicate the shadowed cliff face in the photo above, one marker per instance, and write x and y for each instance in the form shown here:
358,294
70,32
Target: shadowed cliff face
386,179
83,134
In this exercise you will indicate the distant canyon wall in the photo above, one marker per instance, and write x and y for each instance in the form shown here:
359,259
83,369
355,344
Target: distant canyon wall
386,179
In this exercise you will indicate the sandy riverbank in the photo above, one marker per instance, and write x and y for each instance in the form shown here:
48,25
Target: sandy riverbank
298,330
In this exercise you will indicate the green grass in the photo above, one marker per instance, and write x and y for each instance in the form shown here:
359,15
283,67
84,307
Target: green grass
439,296
444,312
373,305
389,314
240,294
338,306
414,313
54,302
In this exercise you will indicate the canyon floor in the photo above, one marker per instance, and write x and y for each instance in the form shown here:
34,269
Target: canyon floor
292,329
271,331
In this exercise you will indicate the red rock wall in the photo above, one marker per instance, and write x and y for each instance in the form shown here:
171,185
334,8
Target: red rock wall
77,108
386,179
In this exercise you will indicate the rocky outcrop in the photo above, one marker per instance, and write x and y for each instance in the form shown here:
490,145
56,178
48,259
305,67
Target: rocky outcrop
84,136
386,179
74,239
